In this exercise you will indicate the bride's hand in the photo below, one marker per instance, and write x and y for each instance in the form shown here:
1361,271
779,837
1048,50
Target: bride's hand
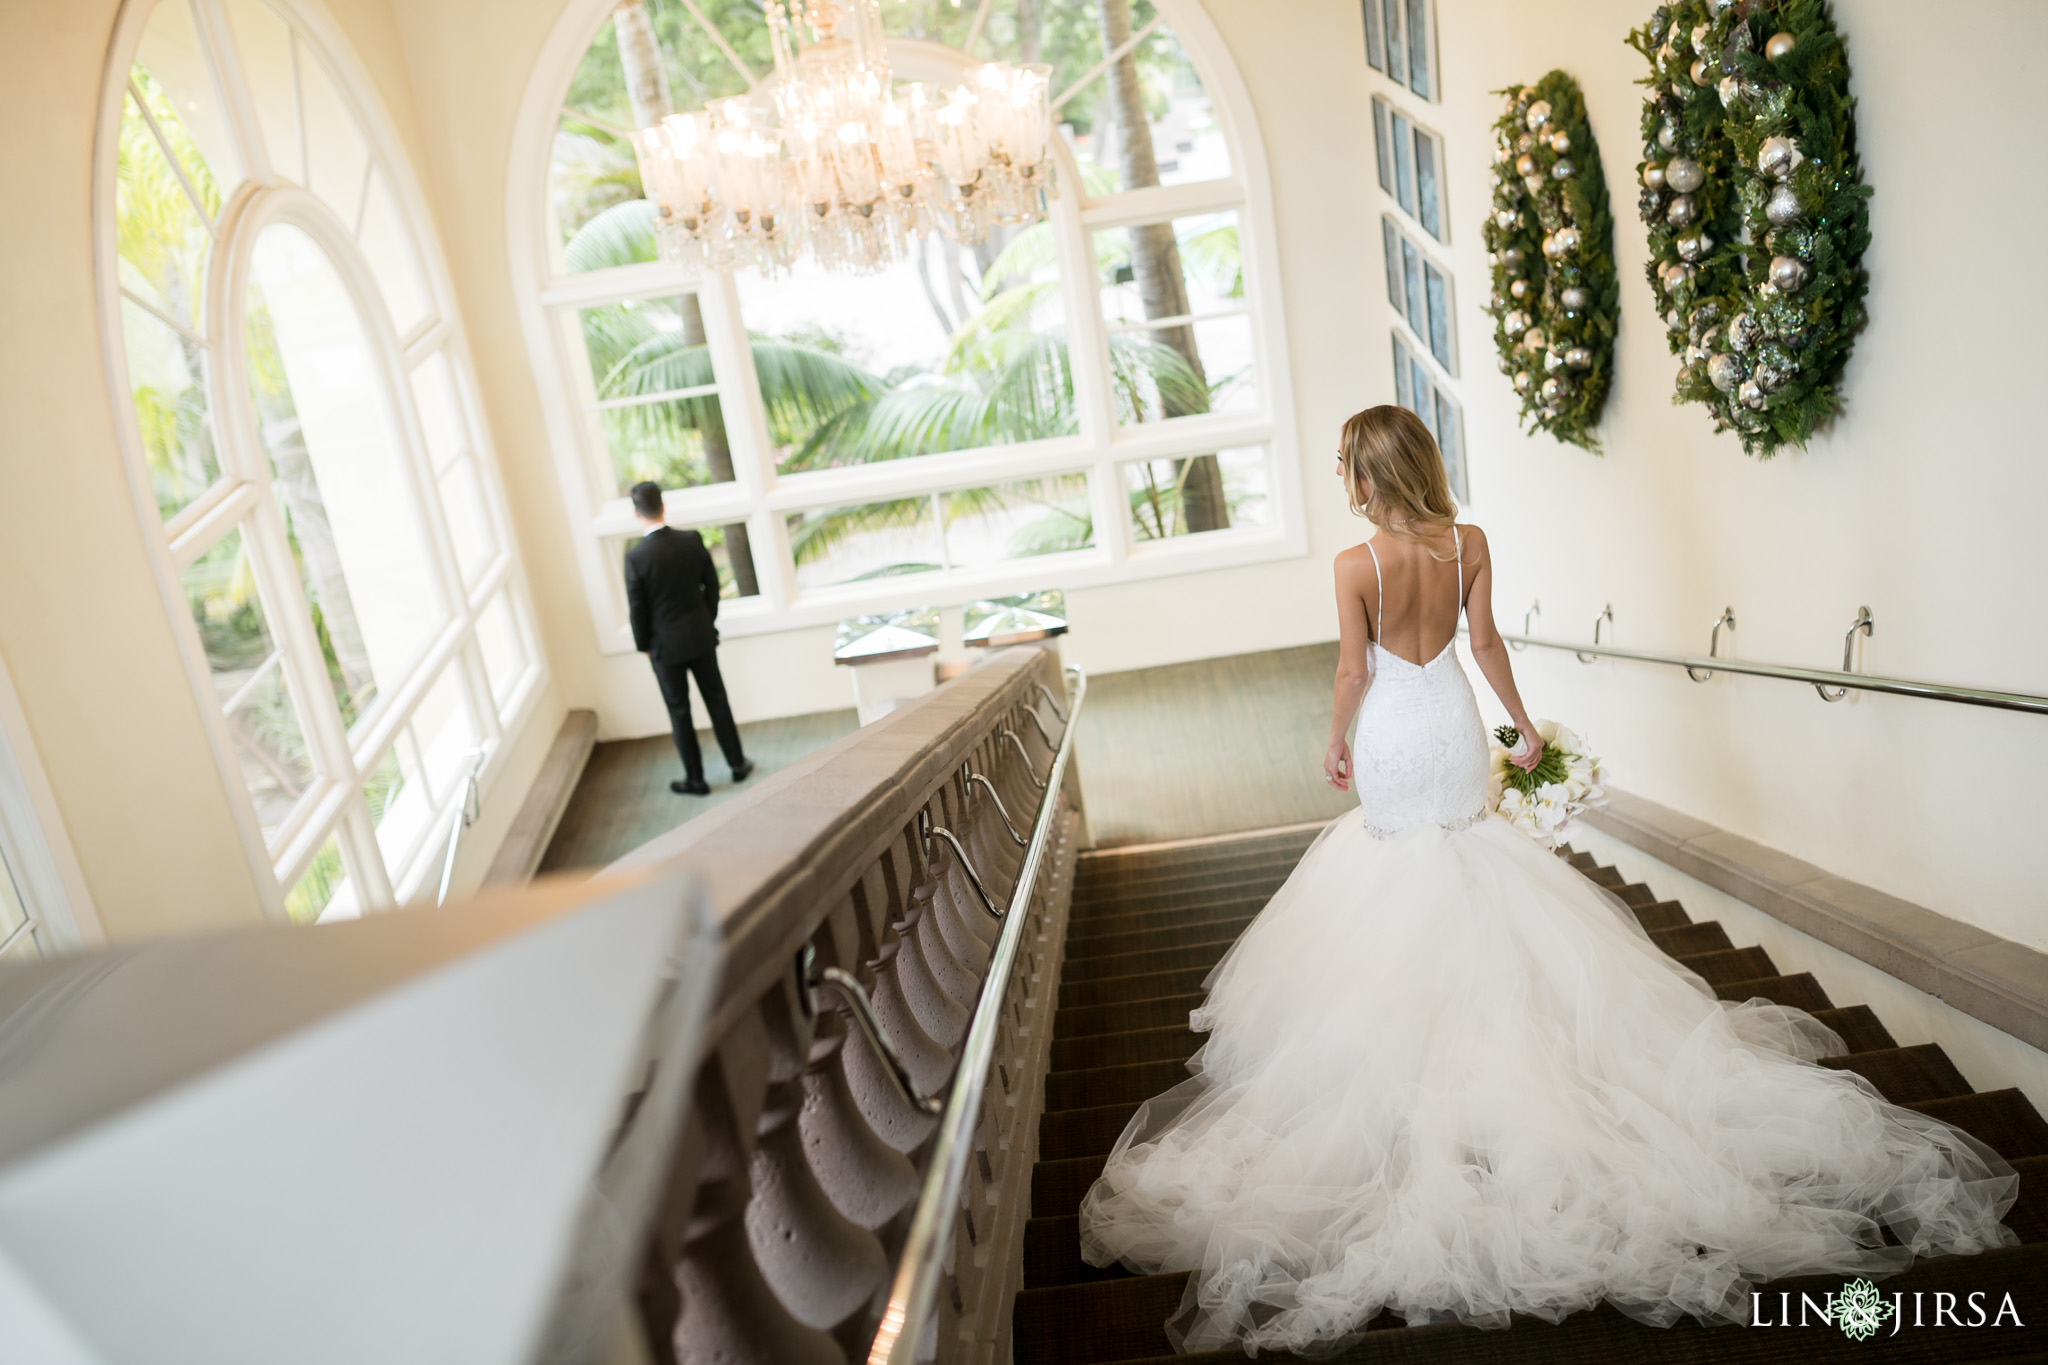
1337,765
1529,753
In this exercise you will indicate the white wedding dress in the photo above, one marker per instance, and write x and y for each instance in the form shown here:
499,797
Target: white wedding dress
1449,1077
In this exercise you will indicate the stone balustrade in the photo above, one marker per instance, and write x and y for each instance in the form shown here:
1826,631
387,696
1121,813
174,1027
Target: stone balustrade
801,1158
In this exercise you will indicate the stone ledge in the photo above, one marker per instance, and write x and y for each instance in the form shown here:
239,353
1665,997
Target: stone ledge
2003,983
526,842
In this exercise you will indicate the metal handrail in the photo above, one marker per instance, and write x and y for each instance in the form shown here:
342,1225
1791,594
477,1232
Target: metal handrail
2031,702
466,813
916,1286
995,796
861,1009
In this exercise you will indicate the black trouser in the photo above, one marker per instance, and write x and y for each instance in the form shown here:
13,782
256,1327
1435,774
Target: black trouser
674,677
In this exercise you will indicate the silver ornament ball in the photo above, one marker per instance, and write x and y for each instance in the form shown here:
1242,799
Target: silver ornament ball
1782,209
1520,289
1562,170
1553,389
1506,366
1778,157
1539,114
1700,74
1667,136
1515,323
1535,339
1574,299
1720,7
1653,175
1513,257
1567,239
1553,361
1780,46
1579,358
1560,143
1789,274
1683,211
1523,380
1751,394
1525,165
1725,371
1744,332
1684,175
1691,249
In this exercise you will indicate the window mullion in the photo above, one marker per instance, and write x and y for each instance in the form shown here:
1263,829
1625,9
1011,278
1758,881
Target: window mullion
1087,347
227,70
1112,510
304,664
739,387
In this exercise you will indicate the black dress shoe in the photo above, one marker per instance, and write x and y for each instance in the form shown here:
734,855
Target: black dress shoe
691,786
746,766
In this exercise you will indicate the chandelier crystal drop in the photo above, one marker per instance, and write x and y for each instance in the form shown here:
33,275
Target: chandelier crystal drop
836,159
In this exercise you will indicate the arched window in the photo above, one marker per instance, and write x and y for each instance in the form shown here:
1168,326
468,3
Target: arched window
1098,397
304,422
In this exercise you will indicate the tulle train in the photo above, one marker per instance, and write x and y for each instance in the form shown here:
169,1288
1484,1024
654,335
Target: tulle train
1449,1077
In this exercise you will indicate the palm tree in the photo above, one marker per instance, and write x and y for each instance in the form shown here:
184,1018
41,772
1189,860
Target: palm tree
1156,264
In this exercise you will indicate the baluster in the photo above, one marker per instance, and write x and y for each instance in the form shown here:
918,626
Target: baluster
728,1314
956,957
929,1062
941,1017
822,1265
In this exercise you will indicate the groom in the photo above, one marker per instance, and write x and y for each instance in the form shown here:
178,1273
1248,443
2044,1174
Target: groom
672,590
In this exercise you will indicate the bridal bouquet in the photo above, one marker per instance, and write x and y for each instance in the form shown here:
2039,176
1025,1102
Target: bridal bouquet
1542,801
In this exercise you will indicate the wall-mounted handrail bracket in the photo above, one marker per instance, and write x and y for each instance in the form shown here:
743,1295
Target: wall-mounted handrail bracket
1867,624
995,796
1528,623
1606,617
810,980
1025,754
931,831
1727,618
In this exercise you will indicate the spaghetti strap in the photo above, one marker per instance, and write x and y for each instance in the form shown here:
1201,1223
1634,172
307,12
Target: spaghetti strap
1380,582
1458,546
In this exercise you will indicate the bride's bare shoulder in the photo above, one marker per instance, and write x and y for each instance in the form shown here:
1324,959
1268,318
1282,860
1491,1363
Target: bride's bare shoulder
1475,539
1356,562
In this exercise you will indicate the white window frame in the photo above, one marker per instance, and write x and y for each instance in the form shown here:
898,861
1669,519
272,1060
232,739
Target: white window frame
35,850
334,806
762,498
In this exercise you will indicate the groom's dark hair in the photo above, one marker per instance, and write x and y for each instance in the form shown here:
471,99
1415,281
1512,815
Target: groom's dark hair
647,499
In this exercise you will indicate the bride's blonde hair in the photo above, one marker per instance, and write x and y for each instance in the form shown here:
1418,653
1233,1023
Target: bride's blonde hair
1394,475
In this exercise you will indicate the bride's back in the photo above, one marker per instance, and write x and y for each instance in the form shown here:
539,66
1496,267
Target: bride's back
1419,593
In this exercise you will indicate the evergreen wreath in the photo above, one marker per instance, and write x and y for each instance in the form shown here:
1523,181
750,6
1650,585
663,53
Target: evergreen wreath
1550,239
1757,210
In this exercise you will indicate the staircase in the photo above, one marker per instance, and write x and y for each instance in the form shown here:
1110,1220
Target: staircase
1147,926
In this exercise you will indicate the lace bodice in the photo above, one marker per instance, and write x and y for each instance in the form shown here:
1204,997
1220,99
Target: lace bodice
1419,755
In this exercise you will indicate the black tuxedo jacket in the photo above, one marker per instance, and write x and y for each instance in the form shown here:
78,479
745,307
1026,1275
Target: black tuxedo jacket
672,591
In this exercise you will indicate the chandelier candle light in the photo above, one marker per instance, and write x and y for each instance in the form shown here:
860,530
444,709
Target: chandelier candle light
843,163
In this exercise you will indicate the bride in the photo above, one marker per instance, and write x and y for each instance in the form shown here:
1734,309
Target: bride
1449,1077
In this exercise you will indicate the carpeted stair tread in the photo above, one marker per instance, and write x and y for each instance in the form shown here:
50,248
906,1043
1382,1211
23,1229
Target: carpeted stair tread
1122,933
1097,873
1799,991
1859,1027
1101,1320
1731,964
1092,901
1052,1254
2003,1120
1133,1081
1199,948
1661,915
1143,986
1067,1133
1090,1021
2029,1215
1174,1042
1905,1074
1691,939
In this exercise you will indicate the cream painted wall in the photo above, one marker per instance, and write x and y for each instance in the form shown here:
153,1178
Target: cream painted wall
1922,501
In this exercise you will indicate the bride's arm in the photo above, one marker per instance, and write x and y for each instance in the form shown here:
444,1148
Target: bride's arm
1490,652
1354,640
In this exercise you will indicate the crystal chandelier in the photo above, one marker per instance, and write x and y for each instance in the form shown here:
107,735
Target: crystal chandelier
843,163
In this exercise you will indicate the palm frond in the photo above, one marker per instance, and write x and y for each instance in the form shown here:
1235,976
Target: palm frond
621,235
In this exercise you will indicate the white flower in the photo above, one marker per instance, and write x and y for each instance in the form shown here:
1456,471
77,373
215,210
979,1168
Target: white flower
1511,802
1552,806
